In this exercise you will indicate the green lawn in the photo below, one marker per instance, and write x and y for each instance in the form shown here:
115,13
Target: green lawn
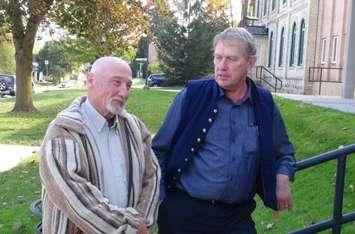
313,130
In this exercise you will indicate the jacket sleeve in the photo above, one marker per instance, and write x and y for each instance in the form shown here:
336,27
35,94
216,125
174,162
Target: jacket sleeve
163,140
64,174
149,197
284,149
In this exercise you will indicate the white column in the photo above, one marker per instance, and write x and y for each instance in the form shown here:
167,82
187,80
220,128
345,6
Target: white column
349,68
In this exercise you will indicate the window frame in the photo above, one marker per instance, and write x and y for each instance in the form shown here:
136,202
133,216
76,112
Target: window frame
335,49
301,43
281,48
293,44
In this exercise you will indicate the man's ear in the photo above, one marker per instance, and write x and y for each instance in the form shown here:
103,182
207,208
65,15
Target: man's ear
251,61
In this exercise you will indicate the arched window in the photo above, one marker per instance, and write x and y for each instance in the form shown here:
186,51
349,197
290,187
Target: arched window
265,7
271,42
282,42
293,44
301,43
273,3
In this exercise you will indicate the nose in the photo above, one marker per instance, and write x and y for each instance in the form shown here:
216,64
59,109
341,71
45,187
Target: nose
222,64
123,92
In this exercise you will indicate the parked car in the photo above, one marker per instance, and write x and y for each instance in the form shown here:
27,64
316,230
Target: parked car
7,85
158,79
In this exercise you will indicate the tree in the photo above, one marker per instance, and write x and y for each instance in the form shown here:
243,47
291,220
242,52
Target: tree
111,26
58,60
184,39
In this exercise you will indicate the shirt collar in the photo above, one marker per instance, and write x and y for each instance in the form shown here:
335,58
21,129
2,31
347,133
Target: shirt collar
247,97
94,117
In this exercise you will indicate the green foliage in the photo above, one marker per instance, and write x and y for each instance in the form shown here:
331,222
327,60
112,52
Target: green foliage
7,61
58,61
111,27
154,68
185,45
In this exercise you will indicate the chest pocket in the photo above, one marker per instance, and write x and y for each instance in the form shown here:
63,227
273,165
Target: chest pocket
250,141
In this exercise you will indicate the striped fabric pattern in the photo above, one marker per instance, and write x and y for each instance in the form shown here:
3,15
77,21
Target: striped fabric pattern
72,181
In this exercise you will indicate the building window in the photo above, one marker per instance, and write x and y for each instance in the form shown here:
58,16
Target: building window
293,44
273,3
324,48
301,43
282,42
265,7
271,43
335,49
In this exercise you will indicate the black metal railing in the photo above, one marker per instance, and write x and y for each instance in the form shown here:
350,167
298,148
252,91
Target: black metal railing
338,219
319,78
263,76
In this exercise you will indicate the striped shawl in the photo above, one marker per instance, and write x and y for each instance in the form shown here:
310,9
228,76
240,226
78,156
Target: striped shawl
72,180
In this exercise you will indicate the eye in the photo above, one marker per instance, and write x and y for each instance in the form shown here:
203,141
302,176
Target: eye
232,58
217,57
116,82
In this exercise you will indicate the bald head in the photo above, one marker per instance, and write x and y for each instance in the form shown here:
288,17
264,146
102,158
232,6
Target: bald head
105,63
108,84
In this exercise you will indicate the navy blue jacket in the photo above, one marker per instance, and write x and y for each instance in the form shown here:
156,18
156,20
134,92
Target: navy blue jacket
199,111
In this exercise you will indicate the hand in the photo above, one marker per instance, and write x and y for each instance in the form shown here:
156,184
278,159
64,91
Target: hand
142,229
283,192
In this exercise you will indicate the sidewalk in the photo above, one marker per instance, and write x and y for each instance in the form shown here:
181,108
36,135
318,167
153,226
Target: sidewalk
337,103
11,155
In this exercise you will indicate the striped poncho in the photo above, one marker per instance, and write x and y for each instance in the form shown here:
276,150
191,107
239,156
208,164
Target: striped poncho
71,175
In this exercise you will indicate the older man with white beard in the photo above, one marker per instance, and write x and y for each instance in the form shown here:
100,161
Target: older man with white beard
98,171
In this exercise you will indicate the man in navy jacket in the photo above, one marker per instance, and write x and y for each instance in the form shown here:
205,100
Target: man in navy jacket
222,141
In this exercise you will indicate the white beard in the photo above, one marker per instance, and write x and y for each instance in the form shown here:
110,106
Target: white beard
115,109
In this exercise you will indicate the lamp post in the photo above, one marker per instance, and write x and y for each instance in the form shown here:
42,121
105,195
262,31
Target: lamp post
46,62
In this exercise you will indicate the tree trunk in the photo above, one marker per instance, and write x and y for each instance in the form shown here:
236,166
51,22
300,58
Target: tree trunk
23,57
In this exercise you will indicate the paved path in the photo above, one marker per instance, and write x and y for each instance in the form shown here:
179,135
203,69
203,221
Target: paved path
341,104
11,155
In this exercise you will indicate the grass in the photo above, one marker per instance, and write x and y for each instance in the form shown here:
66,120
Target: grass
313,130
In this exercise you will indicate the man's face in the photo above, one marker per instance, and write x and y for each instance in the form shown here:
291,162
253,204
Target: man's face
231,64
109,89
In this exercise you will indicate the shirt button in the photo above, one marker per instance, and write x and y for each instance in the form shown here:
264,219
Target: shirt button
192,149
210,120
186,159
215,110
204,130
178,170
198,139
